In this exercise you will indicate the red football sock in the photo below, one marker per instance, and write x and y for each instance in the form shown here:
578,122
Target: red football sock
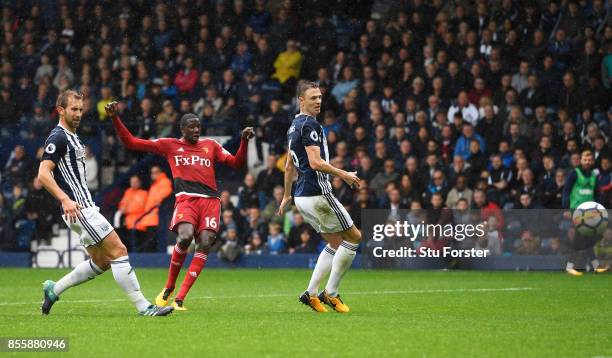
178,257
197,264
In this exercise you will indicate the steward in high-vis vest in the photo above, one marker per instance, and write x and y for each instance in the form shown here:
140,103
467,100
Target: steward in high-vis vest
581,183
581,186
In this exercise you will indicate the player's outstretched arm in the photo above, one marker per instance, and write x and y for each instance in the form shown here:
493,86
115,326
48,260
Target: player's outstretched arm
237,161
289,176
317,163
126,137
71,208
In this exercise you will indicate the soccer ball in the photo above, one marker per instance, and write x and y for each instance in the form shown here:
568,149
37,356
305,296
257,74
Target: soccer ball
590,219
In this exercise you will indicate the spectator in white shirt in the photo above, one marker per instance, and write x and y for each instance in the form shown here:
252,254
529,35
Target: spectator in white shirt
469,112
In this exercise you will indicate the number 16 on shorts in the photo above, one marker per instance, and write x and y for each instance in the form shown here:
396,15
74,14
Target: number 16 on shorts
202,213
210,223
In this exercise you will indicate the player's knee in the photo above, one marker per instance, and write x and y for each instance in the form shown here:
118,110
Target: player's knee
354,235
357,235
120,250
184,241
184,238
102,262
104,265
334,240
206,241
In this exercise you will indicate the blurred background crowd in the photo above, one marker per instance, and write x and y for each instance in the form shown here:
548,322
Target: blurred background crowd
435,104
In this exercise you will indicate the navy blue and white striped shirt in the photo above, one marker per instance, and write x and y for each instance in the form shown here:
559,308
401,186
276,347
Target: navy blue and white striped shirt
68,153
306,131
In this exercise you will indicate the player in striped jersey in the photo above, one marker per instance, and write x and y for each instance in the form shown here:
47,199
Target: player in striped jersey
309,156
62,173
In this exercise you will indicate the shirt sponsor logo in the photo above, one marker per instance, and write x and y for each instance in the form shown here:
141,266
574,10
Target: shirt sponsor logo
180,160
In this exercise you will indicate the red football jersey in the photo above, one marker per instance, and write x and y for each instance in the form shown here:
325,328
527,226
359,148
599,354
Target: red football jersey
193,166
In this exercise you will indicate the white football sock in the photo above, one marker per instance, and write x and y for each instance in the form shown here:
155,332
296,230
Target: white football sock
83,272
342,261
322,268
125,276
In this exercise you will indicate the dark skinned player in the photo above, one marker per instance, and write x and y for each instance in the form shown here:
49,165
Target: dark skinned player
197,209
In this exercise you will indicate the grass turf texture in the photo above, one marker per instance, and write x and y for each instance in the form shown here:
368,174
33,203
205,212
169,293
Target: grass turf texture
256,313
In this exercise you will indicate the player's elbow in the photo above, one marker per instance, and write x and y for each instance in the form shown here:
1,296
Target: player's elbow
43,171
42,177
314,164
289,168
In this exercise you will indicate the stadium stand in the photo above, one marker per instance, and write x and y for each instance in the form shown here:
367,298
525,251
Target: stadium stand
492,99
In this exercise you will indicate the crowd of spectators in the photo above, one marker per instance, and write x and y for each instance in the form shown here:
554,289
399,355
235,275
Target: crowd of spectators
431,102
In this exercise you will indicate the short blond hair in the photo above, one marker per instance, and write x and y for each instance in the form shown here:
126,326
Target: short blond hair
62,99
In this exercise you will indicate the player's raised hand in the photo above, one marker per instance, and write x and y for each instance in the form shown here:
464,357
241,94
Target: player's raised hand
111,109
72,210
248,133
351,179
281,209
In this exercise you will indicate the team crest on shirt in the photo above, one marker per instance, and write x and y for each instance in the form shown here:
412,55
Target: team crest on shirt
205,149
180,216
50,149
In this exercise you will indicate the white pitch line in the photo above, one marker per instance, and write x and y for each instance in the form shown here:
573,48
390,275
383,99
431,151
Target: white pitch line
272,295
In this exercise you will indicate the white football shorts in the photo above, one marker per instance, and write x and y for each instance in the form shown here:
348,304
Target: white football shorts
324,213
92,227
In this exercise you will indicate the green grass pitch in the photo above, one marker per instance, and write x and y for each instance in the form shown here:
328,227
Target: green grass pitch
394,313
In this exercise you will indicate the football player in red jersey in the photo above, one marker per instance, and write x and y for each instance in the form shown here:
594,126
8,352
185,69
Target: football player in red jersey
197,209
